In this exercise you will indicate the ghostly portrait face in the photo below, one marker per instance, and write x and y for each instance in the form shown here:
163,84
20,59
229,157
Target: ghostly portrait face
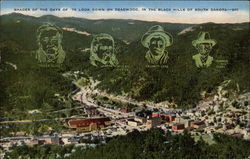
156,40
50,41
104,48
204,48
102,52
157,46
50,52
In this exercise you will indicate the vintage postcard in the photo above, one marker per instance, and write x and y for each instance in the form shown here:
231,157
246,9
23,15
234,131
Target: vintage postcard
124,79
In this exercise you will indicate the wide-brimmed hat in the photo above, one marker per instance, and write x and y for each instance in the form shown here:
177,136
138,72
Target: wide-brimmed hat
156,31
204,37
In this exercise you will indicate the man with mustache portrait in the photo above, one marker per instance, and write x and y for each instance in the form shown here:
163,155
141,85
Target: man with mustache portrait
204,46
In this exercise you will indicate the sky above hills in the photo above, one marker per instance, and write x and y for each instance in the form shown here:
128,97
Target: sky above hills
227,11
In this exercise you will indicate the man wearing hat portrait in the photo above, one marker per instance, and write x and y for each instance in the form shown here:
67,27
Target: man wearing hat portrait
50,52
204,46
157,41
102,51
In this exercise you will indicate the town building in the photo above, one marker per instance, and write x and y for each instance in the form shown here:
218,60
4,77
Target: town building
153,122
140,119
169,117
198,124
178,126
125,110
91,111
52,140
132,122
89,124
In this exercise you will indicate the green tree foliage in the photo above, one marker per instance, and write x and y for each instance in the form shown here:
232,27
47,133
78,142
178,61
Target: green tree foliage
152,144
181,82
155,144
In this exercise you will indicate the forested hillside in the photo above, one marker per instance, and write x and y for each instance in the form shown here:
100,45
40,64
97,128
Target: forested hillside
29,86
152,144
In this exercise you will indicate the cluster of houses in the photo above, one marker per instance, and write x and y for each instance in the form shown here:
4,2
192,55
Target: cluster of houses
210,116
31,141
166,120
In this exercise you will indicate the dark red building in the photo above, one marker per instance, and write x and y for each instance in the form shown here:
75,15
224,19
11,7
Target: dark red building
88,122
168,117
178,126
